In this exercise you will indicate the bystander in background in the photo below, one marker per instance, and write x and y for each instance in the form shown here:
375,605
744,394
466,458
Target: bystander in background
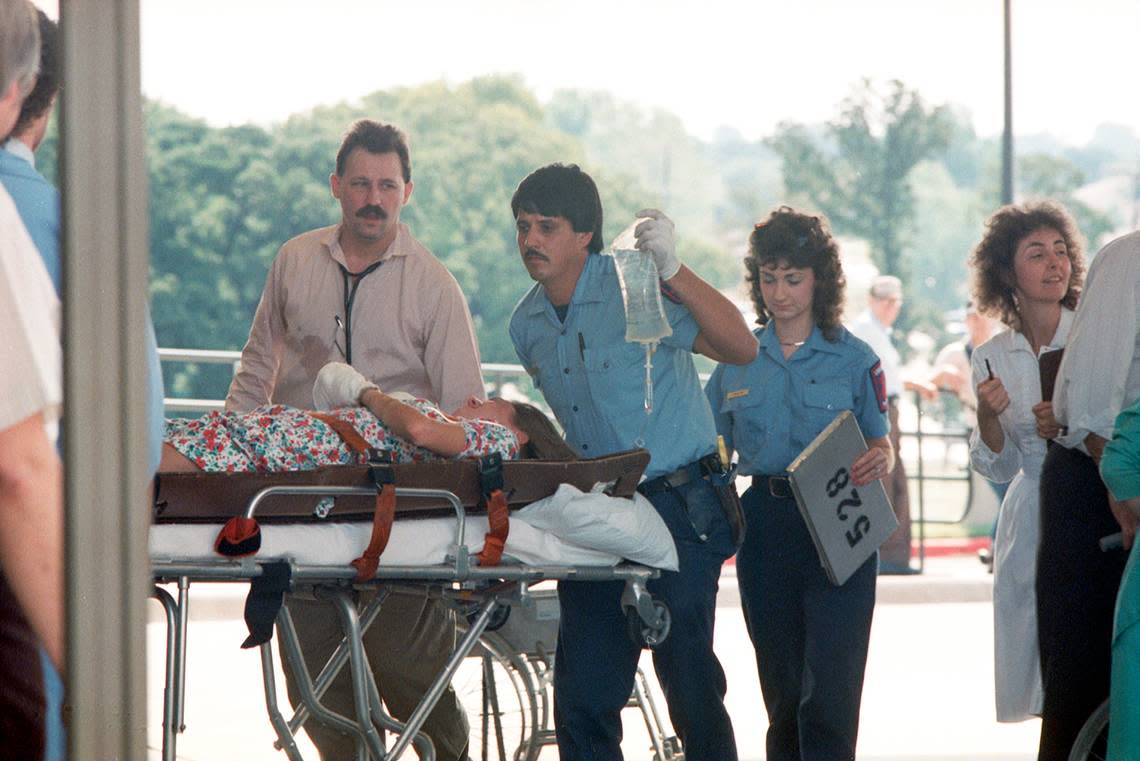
951,372
1028,270
874,327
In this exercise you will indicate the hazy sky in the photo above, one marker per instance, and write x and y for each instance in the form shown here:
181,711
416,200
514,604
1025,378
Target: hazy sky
748,64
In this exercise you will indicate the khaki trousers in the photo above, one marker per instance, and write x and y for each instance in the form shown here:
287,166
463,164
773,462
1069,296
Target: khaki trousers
896,549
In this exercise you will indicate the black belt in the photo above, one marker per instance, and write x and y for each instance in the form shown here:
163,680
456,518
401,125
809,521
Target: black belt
777,486
676,479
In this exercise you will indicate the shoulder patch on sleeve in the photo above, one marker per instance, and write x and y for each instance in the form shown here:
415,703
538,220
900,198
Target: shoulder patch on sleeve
669,293
879,382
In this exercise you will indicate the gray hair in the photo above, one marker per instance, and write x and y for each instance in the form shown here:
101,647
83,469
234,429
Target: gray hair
19,45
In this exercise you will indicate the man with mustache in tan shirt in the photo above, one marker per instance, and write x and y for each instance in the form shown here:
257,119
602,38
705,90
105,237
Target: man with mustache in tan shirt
365,292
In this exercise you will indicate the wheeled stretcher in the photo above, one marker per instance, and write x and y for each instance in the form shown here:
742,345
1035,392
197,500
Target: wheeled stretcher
565,523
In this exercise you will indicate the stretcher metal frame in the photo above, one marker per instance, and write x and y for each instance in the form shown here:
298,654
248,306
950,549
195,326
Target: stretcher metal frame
477,592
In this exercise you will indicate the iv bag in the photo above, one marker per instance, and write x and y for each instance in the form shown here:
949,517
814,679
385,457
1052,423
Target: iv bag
640,289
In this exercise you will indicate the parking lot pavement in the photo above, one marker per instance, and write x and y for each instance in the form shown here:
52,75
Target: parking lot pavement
944,578
928,694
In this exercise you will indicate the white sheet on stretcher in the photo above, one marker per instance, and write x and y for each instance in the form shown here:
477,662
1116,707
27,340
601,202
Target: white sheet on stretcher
569,527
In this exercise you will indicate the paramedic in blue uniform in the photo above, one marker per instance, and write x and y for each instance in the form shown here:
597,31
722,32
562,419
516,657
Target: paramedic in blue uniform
569,333
810,636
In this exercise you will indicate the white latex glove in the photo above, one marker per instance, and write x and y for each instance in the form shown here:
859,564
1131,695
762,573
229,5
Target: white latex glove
655,237
339,385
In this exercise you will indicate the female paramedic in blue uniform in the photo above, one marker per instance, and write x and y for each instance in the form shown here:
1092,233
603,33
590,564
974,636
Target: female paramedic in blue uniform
810,636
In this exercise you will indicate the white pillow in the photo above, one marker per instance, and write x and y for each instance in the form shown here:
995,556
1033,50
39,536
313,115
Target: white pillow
630,528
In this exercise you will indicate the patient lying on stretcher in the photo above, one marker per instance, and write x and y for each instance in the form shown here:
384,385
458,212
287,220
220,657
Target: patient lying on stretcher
569,526
277,438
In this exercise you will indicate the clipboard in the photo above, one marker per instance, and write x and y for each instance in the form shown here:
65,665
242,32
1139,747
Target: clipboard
847,523
1048,365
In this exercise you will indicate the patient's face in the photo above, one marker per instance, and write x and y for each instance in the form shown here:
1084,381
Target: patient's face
497,410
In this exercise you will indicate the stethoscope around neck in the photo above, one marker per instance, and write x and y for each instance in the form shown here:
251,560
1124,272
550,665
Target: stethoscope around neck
349,298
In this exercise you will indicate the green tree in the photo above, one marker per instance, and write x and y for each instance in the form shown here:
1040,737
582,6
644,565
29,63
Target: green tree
217,210
1043,175
224,200
750,173
858,171
711,191
948,223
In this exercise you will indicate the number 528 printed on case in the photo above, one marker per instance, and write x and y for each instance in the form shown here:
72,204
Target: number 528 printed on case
847,524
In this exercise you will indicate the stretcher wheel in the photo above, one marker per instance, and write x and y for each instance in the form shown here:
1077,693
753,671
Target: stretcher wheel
1091,741
649,635
673,749
499,616
498,691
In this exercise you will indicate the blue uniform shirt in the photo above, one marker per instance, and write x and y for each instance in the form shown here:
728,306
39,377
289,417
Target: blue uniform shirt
594,380
769,410
36,200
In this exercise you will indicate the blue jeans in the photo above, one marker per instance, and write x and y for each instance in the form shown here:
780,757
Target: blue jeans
596,660
810,636
55,737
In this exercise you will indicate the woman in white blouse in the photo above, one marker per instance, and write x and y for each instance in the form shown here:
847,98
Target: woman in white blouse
1027,271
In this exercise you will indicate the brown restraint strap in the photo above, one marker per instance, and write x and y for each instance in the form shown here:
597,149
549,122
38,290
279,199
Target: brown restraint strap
499,522
498,513
367,563
385,512
346,432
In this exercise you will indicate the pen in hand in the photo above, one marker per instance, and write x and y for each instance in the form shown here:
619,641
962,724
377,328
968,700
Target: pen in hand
989,370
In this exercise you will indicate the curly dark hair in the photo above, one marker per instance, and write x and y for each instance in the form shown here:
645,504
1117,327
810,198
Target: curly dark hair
799,240
992,259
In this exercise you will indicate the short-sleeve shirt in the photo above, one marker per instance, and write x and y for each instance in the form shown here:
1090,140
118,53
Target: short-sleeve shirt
594,380
772,408
35,199
875,334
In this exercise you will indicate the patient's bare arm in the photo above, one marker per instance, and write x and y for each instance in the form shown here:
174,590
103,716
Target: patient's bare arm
445,438
174,461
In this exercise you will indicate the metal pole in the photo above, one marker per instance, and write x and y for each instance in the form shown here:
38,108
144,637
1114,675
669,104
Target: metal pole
103,177
1007,132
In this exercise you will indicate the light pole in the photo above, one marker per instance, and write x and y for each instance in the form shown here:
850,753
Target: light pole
1007,132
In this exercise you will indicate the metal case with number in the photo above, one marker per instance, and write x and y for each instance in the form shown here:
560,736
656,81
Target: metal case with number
847,523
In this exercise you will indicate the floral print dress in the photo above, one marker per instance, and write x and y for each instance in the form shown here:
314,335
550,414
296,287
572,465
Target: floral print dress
276,438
